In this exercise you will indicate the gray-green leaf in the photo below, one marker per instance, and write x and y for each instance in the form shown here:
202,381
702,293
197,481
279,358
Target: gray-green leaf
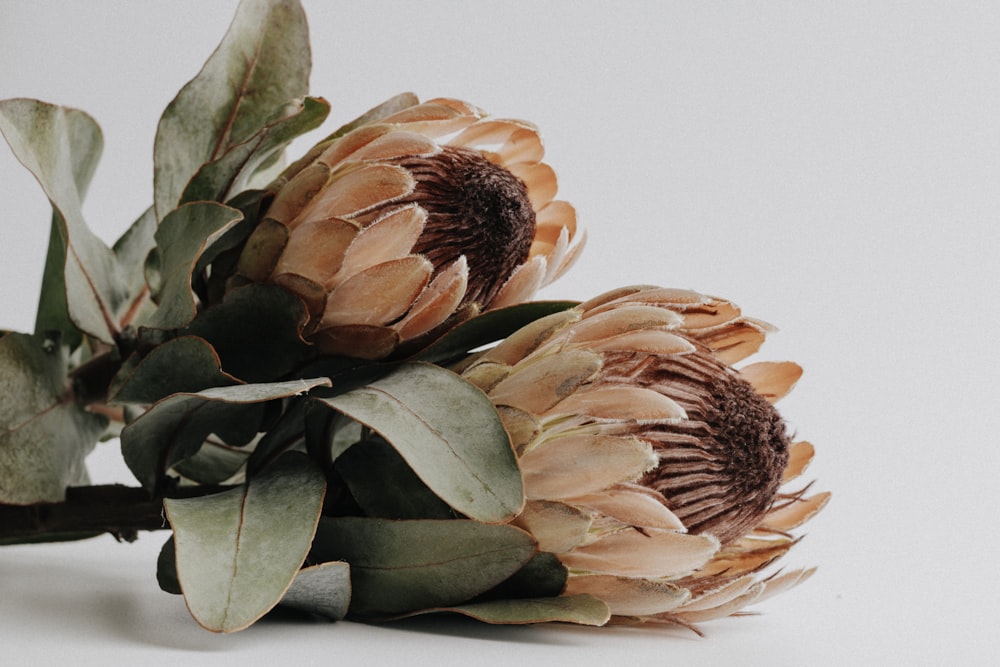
44,435
82,286
262,64
448,432
181,238
238,551
402,566
175,428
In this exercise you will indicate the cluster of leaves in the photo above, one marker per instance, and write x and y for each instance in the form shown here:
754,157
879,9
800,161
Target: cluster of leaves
332,485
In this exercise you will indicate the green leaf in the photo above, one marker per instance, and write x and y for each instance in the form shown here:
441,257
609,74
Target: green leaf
262,64
232,172
176,428
256,332
182,365
543,576
44,435
402,566
131,250
581,609
323,589
448,432
238,551
181,238
384,486
488,328
82,286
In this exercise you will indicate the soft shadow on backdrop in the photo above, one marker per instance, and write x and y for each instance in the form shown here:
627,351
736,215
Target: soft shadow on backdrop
832,168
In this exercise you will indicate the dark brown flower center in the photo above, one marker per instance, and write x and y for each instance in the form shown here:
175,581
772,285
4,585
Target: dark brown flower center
721,467
475,208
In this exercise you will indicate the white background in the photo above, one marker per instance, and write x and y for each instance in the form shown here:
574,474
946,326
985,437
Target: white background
834,168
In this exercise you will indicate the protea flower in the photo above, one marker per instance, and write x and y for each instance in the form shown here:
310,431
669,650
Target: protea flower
416,215
652,467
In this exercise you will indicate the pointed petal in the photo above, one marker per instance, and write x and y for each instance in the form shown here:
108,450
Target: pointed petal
535,385
629,596
721,595
800,455
436,303
633,505
356,191
784,582
378,295
558,527
530,337
316,249
725,609
541,181
628,318
296,193
796,513
522,284
772,380
651,553
621,402
397,144
577,465
390,237
346,146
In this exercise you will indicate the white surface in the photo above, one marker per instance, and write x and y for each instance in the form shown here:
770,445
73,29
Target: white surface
834,168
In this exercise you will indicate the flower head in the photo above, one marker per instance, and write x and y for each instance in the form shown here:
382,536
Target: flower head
652,467
414,216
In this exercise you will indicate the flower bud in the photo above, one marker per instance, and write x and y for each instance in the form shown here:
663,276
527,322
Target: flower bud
411,220
652,467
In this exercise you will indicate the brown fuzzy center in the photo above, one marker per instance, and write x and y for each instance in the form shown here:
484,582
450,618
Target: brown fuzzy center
721,468
475,208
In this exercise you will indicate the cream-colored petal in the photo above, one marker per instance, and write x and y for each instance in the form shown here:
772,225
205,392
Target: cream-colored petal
530,337
521,285
621,402
346,146
800,455
552,218
781,583
436,303
721,595
796,513
557,527
541,181
746,556
633,505
651,341
725,609
648,553
535,385
316,249
622,320
296,194
378,295
715,313
490,132
735,342
397,144
523,146
356,190
560,264
522,427
772,380
486,374
390,237
629,596
578,465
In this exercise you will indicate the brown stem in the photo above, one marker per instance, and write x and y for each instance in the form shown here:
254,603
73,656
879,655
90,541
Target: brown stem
87,511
